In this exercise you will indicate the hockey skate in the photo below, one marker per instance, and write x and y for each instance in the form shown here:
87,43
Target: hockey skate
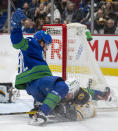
37,119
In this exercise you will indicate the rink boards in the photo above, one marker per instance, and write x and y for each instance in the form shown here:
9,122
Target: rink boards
105,49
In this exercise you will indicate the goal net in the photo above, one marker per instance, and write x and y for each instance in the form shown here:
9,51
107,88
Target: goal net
71,57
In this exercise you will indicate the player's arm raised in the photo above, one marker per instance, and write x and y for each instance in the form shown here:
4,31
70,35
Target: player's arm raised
17,39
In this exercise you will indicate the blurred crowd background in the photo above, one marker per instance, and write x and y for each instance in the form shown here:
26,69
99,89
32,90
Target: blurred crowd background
39,12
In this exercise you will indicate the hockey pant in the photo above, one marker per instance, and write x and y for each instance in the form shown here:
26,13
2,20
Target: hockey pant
49,90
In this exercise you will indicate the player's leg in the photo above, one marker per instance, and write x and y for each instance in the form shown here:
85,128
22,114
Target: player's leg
99,95
54,96
74,89
48,90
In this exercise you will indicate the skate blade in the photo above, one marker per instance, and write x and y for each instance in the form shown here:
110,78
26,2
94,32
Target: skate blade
36,122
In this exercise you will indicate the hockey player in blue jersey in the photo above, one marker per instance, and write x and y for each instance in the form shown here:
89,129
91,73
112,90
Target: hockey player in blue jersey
34,74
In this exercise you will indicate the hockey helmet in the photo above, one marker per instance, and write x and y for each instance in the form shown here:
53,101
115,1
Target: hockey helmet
43,35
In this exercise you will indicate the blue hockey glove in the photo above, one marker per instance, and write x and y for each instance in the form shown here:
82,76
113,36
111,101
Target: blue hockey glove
17,17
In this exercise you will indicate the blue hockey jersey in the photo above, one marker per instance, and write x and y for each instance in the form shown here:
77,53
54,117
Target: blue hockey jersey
31,64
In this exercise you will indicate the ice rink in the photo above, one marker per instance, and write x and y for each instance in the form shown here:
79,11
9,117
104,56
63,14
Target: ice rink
104,121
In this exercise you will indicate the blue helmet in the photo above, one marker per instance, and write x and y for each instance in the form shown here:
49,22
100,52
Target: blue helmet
42,35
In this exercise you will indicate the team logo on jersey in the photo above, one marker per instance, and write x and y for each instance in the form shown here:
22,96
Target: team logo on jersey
2,93
81,96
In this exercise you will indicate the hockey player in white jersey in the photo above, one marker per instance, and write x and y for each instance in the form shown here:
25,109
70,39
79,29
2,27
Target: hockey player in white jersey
77,104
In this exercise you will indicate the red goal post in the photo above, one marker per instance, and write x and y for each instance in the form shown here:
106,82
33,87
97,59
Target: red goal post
59,35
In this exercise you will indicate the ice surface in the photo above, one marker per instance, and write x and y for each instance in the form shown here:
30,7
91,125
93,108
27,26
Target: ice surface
104,121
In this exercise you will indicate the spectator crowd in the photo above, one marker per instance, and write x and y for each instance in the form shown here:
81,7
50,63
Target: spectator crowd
38,13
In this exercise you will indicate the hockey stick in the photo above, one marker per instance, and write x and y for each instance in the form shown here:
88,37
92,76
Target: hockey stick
19,113
50,117
12,5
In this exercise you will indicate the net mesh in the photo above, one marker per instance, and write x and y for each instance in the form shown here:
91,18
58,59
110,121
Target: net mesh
81,63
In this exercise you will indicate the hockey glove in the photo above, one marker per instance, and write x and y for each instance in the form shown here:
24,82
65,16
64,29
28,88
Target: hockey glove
17,17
